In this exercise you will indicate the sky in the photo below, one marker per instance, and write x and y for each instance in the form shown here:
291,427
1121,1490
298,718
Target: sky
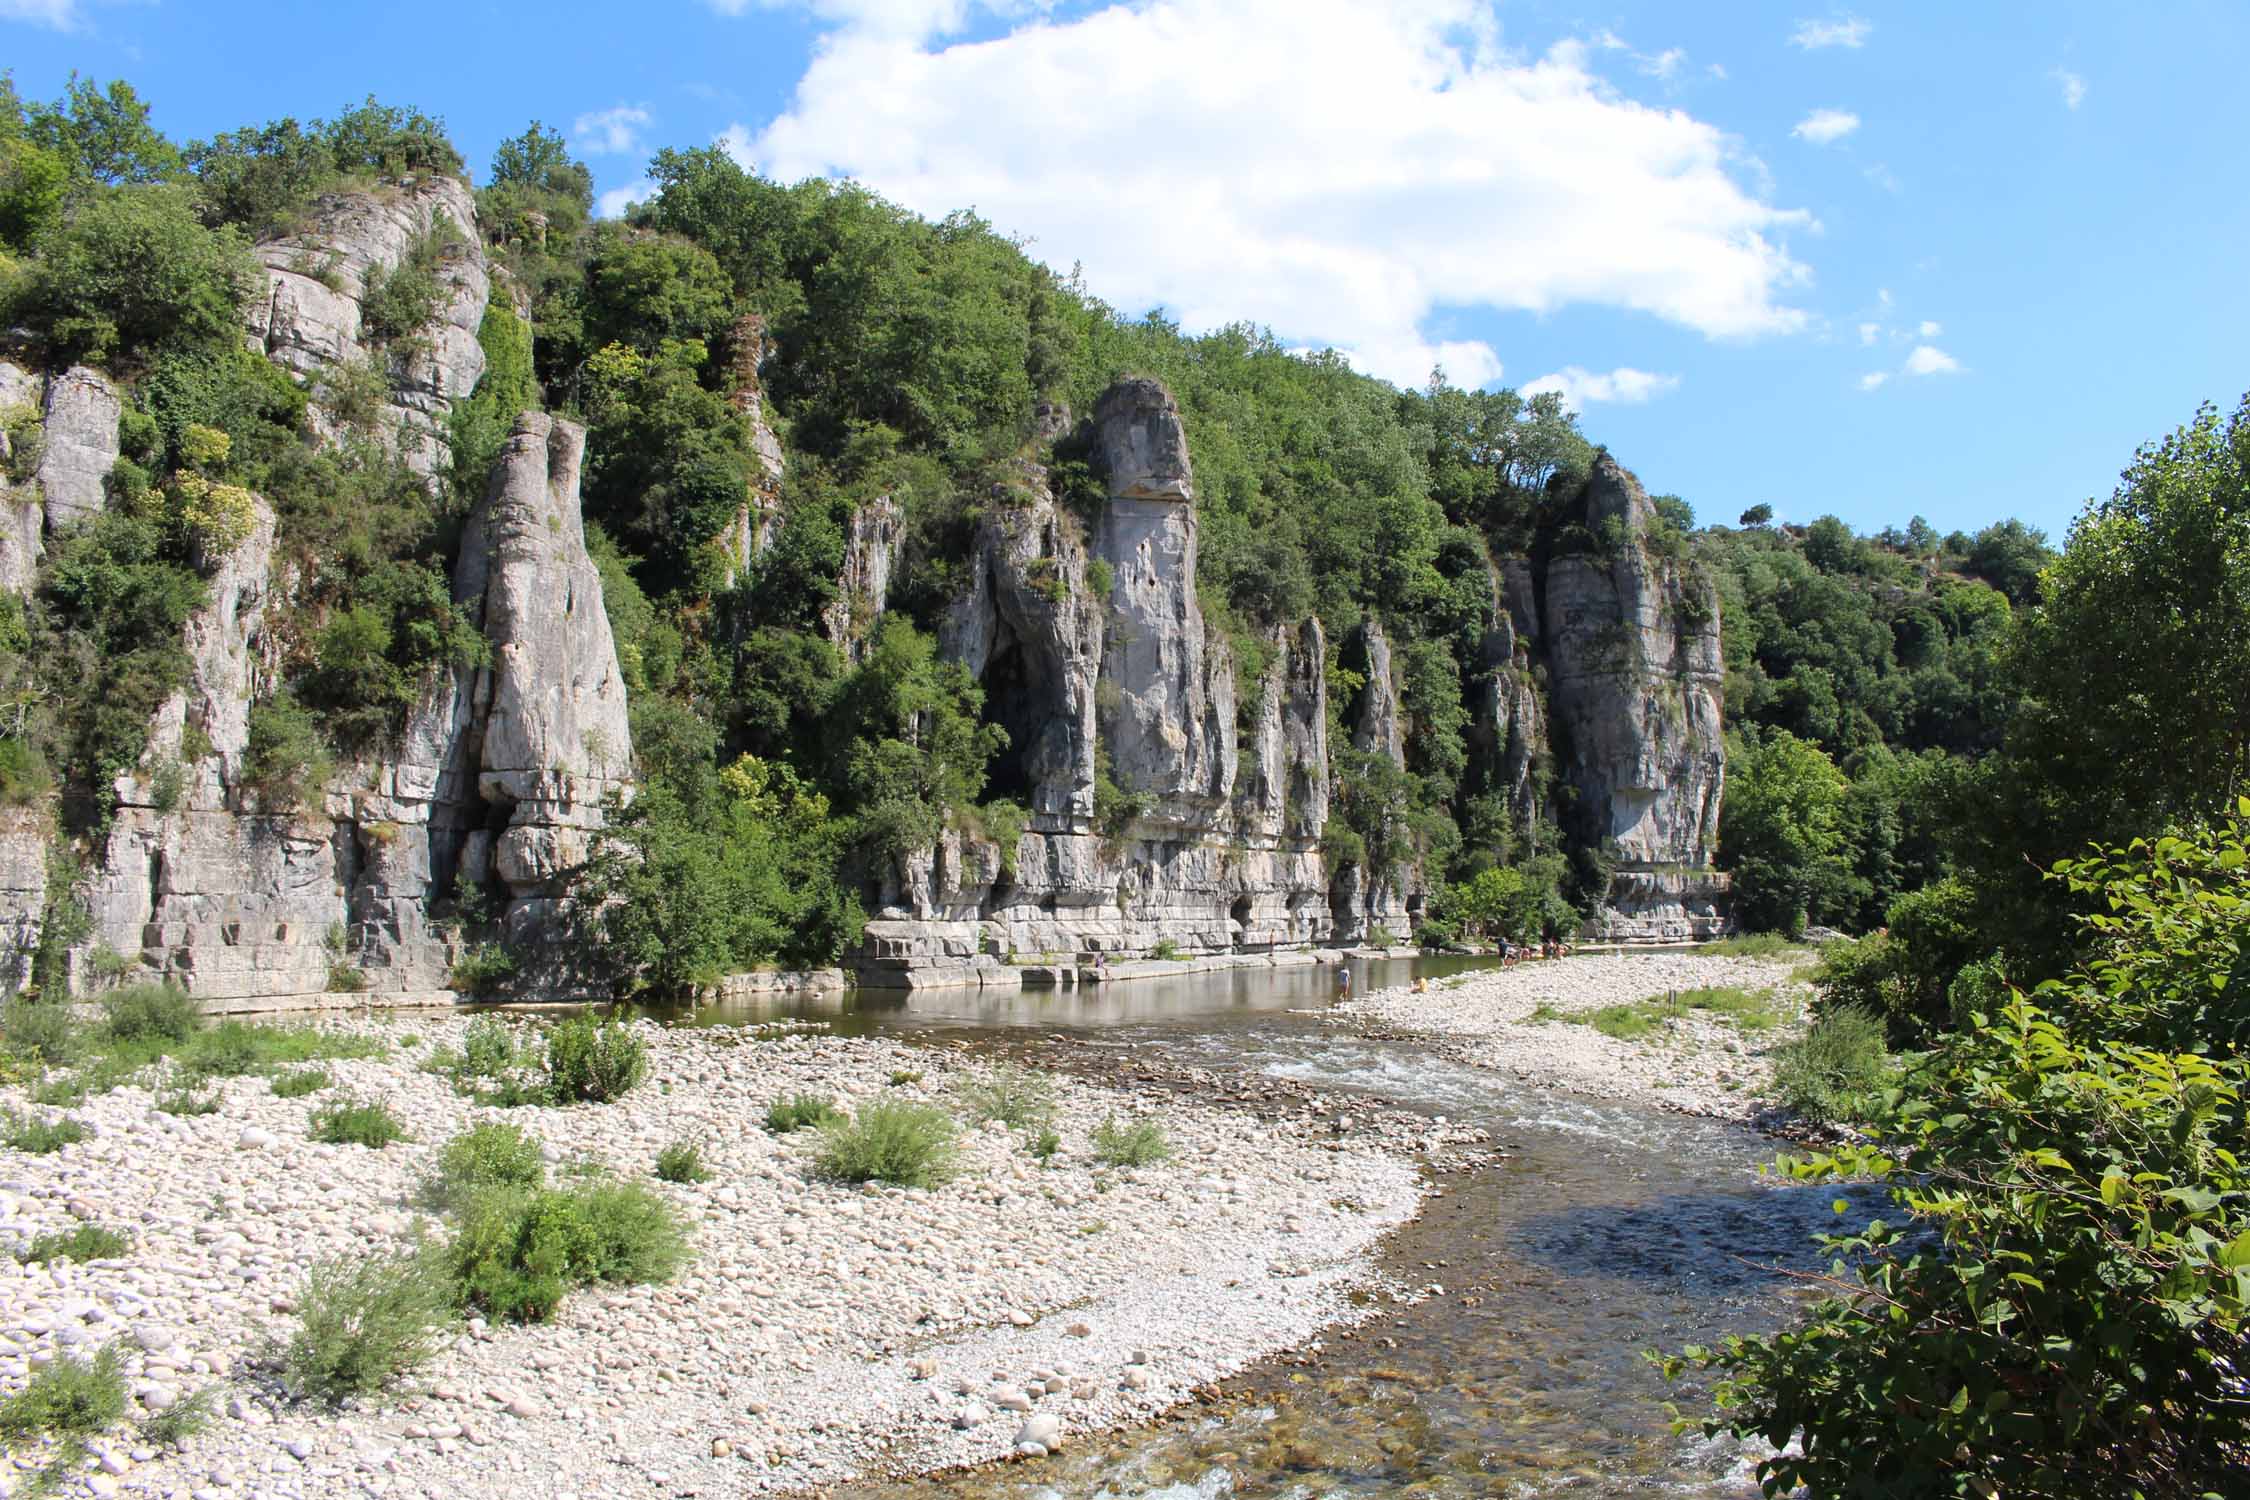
1885,261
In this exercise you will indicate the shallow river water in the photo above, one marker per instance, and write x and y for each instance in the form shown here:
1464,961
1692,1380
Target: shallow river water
1606,1230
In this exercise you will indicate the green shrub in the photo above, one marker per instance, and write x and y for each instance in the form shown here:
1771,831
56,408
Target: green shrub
484,1156
286,762
1625,1023
1165,951
362,1322
36,1136
798,1111
150,1010
300,1083
182,1102
1833,1072
682,1161
483,968
1019,1098
39,1031
356,1122
183,1419
594,1063
1753,945
81,1242
70,1397
910,1145
519,1250
1130,1145
1044,1145
499,1064
238,1049
904,1077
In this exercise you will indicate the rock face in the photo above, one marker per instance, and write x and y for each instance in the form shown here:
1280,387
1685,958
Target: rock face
759,520
1132,685
870,551
54,461
1633,647
312,319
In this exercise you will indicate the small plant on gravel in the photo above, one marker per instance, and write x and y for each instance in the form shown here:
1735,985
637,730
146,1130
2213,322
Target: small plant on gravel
300,1083
356,1122
183,1419
1044,1145
39,1032
99,1076
1137,1144
1544,1012
910,1145
182,1102
798,1111
238,1049
1018,1098
150,1010
69,1398
484,1156
362,1322
1832,1073
520,1250
82,1243
905,1077
594,1062
36,1136
682,1161
1166,951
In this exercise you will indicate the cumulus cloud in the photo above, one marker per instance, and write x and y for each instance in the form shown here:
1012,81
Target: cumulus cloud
1873,379
613,203
1408,165
1825,127
1929,359
1843,31
611,132
2073,88
62,15
1930,328
1624,385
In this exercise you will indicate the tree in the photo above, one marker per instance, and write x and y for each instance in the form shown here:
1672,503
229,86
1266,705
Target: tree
2009,555
2062,1312
104,134
131,271
1782,832
1758,515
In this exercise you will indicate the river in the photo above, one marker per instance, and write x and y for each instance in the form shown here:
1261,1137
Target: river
1603,1231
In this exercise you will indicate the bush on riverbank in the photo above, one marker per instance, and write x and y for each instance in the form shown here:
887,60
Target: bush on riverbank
520,1250
1833,1072
593,1062
357,1122
908,1145
484,1156
1018,1098
799,1111
364,1322
1137,1144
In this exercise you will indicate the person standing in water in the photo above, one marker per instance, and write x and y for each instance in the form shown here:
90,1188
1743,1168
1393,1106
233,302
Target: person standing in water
1344,981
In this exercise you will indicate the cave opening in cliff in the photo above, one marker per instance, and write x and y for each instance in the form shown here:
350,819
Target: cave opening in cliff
1013,700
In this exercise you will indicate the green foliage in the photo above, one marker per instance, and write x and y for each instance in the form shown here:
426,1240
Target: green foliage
1520,905
38,1137
187,1417
1020,1098
1130,1144
237,1049
682,1161
519,1251
1835,1071
150,1010
70,1396
397,302
907,1145
356,1122
482,968
481,1157
1904,973
507,389
363,1322
1044,1145
182,1102
1781,833
593,1063
799,1111
287,762
41,1032
1755,945
300,1083
83,1242
130,272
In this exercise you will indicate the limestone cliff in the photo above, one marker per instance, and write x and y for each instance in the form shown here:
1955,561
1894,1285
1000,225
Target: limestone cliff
59,444
1633,644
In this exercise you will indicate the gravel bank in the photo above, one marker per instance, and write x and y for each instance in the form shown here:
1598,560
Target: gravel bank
1698,1064
820,1332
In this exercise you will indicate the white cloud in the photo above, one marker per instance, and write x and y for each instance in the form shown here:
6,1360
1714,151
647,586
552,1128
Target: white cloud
62,15
1872,380
1581,388
611,132
1883,177
1665,64
1929,359
613,203
1868,333
1844,31
1883,295
1930,329
2073,87
1408,165
1825,127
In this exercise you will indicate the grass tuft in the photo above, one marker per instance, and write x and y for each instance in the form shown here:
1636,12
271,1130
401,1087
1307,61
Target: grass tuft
146,1011
682,1161
69,1397
357,1122
520,1250
183,1419
1019,1098
910,1145
798,1111
594,1063
36,1136
484,1156
182,1102
300,1083
1831,1073
82,1242
1137,1144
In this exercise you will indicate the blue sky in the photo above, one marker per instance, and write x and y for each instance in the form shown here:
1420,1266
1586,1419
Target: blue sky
1934,259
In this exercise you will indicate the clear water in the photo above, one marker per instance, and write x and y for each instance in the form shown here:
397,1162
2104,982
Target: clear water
1607,1230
